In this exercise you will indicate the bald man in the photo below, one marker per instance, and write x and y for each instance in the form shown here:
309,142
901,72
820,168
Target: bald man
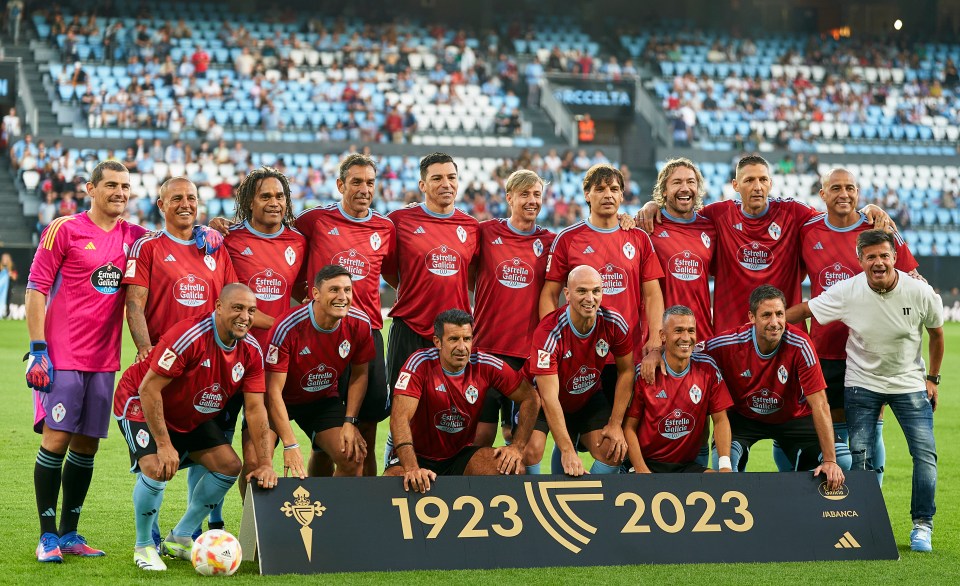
168,409
568,351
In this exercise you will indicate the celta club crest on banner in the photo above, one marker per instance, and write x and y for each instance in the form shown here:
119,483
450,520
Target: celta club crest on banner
304,511
290,255
375,241
461,234
537,247
774,231
695,394
629,251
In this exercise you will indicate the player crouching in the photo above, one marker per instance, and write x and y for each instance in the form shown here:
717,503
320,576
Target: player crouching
667,419
166,407
437,401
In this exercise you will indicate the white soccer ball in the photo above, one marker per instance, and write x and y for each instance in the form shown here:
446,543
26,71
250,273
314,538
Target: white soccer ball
216,553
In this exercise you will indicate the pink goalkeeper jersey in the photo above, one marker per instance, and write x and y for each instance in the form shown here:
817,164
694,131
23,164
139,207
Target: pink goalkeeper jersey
78,266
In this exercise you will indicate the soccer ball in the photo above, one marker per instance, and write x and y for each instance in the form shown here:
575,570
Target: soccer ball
216,553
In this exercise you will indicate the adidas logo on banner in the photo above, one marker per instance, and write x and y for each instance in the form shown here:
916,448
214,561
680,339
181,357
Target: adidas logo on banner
497,241
663,235
305,351
247,252
818,246
738,227
746,373
847,542
662,394
419,230
589,250
334,232
206,363
89,246
169,258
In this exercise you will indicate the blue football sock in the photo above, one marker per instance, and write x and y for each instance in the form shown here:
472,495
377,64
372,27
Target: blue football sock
210,490
533,468
703,457
601,468
556,463
879,452
841,430
147,498
194,474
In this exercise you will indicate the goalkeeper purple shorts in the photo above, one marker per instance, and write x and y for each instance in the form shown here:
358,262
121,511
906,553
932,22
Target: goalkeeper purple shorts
78,402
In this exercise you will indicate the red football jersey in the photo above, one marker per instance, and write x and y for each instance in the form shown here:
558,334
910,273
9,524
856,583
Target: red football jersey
269,264
625,259
673,411
577,359
205,374
314,358
450,404
365,247
182,280
769,388
685,249
510,275
829,255
433,256
754,251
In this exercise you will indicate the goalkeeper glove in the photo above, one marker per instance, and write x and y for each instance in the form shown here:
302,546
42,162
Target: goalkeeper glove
208,240
39,367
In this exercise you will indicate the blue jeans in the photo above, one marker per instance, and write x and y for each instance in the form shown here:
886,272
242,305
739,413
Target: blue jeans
915,415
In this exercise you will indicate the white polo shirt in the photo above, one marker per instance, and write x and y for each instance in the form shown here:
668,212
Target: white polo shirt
884,352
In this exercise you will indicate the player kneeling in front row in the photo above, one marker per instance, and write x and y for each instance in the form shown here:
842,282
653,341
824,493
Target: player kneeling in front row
568,352
166,407
668,418
309,349
437,401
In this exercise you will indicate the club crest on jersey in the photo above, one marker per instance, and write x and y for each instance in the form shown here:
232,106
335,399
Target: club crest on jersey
143,438
273,354
344,349
705,239
602,348
375,241
58,412
629,251
537,247
695,394
237,373
402,381
290,255
782,374
471,394
461,234
774,231
543,359
166,361
210,262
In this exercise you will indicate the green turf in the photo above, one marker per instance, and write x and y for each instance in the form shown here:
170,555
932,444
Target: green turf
107,517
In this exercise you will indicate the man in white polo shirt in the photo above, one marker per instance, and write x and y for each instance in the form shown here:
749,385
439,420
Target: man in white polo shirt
886,311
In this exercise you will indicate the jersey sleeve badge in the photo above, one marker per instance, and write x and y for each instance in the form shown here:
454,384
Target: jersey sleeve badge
272,354
166,361
543,359
402,381
131,271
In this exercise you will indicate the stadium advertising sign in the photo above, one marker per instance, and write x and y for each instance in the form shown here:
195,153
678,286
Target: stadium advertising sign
604,100
8,82
318,524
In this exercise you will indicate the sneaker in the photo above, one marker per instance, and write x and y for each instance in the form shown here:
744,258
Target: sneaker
48,550
75,544
174,548
148,559
921,538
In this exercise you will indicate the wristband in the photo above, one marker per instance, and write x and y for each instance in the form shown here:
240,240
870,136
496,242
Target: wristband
400,445
292,446
826,461
724,462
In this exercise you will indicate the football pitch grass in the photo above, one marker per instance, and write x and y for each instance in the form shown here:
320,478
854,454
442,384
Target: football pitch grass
108,513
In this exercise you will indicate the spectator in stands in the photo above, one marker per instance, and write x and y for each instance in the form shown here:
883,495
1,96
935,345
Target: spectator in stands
11,128
22,147
68,205
175,154
47,211
534,74
8,275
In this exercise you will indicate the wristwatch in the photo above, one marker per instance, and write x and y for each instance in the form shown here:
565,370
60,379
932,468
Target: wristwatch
934,378
353,420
